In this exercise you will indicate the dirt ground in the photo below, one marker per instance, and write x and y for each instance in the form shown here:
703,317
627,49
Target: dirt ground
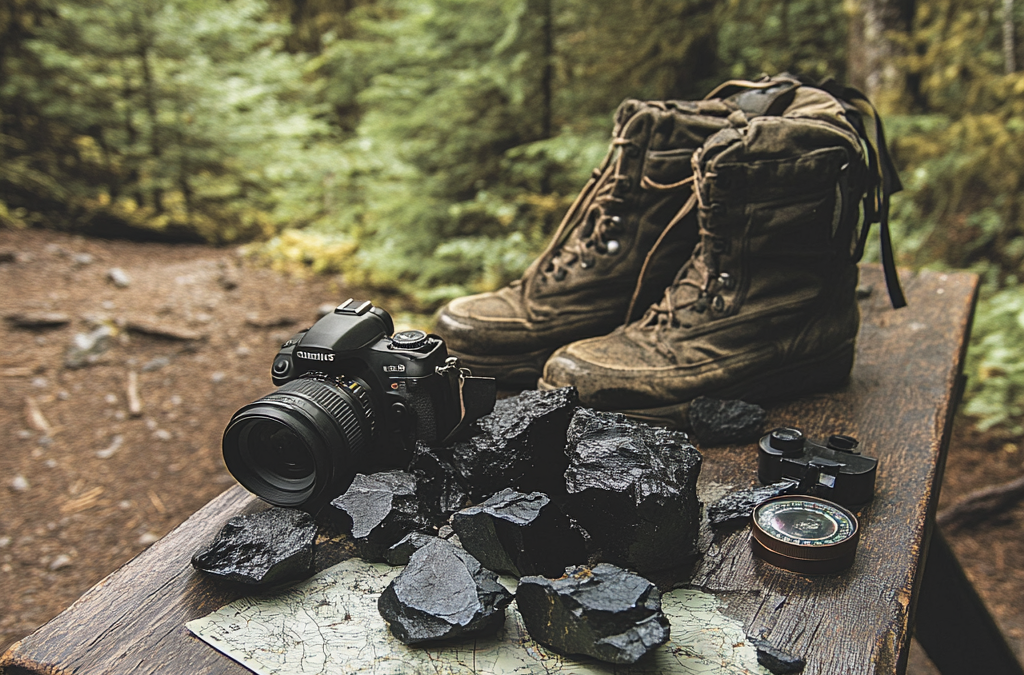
89,478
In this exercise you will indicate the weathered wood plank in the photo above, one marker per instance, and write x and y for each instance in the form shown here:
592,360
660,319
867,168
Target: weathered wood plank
899,402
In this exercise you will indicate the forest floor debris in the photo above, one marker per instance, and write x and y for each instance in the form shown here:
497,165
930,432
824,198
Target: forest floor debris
182,285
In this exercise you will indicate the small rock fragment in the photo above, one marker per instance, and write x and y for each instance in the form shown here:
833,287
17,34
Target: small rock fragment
119,277
86,348
740,504
776,660
228,277
148,538
156,363
378,510
38,319
443,593
19,483
262,549
633,489
61,561
400,553
605,612
716,422
82,259
516,533
520,444
437,482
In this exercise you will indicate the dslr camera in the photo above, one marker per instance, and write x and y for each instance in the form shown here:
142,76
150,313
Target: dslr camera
835,471
352,395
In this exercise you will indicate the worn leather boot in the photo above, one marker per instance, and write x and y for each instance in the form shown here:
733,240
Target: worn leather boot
583,283
765,308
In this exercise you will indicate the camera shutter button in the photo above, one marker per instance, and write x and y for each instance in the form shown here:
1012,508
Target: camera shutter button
409,339
787,439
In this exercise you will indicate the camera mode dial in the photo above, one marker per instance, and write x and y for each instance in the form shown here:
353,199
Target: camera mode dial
409,339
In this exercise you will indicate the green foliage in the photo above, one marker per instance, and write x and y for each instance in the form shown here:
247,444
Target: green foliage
163,114
766,36
428,148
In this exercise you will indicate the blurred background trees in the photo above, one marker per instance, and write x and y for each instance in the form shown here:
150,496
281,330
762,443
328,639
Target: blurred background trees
428,148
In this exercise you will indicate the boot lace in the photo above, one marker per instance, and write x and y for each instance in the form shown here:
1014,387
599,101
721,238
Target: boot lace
600,200
701,273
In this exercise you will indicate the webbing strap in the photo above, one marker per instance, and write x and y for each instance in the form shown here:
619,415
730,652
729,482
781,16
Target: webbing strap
886,183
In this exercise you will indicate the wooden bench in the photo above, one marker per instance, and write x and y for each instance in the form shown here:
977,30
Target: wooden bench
900,403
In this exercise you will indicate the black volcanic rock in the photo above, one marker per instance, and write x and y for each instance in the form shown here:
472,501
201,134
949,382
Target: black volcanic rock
633,489
400,553
379,510
776,660
443,593
520,444
740,505
717,422
437,482
262,549
516,533
604,612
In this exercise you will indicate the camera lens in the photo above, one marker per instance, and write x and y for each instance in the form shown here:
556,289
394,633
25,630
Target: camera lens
299,445
278,453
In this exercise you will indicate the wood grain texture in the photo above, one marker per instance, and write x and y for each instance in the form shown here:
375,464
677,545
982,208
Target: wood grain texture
899,402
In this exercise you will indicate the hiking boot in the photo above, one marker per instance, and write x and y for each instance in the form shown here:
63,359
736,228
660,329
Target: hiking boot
764,309
583,284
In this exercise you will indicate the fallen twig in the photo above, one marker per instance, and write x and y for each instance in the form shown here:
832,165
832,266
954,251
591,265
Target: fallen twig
169,332
981,504
34,417
134,402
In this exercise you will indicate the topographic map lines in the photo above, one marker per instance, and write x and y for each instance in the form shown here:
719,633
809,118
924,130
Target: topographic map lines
330,624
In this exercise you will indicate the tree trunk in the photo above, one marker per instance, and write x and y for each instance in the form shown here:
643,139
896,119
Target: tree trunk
1009,44
873,48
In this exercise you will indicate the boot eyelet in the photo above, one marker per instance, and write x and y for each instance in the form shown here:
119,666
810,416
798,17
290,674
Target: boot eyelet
717,303
612,247
727,281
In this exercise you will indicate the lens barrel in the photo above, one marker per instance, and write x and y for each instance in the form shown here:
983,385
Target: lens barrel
299,446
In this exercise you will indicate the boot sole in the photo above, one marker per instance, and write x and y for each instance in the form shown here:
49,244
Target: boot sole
815,375
509,370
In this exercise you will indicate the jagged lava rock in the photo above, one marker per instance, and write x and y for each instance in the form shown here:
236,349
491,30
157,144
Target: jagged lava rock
775,660
262,549
378,510
633,489
740,505
400,553
605,612
443,593
520,444
717,422
437,482
516,533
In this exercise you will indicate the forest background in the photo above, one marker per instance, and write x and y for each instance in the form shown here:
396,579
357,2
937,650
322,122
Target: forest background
426,149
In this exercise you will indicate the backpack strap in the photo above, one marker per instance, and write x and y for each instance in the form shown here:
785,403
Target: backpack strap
885,182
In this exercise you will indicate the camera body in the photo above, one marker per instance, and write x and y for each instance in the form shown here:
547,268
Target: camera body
352,397
835,471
